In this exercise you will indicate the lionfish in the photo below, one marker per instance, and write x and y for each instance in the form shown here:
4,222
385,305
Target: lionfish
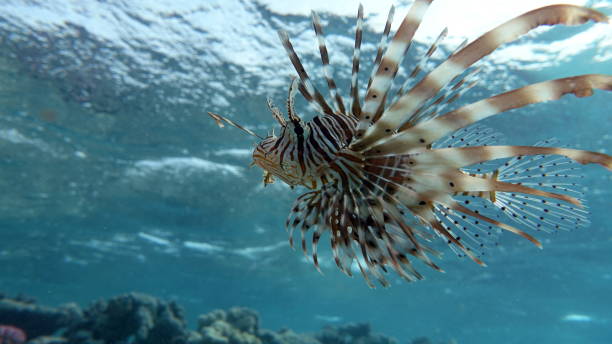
389,175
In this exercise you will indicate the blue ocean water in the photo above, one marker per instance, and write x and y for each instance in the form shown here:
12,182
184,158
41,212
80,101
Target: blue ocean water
114,179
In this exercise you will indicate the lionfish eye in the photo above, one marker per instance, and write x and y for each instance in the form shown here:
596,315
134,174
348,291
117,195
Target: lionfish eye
298,129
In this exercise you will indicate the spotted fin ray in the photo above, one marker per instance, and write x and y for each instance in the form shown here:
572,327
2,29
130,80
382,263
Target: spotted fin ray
427,132
430,85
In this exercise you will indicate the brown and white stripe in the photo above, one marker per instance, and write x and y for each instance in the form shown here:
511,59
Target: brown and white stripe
382,45
355,103
448,158
389,64
427,132
308,90
398,112
331,84
420,66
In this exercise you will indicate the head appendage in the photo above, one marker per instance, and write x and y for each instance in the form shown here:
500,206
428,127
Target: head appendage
220,119
278,116
293,87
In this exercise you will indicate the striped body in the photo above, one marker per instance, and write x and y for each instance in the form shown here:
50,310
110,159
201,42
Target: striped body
389,175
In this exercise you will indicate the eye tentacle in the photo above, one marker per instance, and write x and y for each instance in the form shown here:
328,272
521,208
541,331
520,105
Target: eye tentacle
220,119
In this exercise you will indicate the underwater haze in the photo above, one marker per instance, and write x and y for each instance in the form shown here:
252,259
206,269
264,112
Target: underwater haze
113,178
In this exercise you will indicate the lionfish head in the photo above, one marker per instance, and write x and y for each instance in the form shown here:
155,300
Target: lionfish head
274,154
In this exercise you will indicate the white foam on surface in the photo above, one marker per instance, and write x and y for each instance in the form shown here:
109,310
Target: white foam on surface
255,252
154,239
181,165
577,317
237,37
235,152
249,252
13,135
466,18
328,318
203,247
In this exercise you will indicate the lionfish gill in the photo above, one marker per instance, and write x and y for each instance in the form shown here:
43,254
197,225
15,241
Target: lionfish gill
389,174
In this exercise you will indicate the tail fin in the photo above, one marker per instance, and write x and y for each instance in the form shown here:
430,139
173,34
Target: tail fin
549,173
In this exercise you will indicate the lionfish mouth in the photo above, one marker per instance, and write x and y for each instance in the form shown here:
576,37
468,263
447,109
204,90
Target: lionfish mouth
395,171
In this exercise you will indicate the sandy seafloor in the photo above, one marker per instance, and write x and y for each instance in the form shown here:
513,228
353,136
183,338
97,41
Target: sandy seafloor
113,179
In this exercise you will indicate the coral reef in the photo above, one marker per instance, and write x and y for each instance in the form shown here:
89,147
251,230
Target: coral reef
241,326
138,319
352,334
134,318
36,320
237,325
